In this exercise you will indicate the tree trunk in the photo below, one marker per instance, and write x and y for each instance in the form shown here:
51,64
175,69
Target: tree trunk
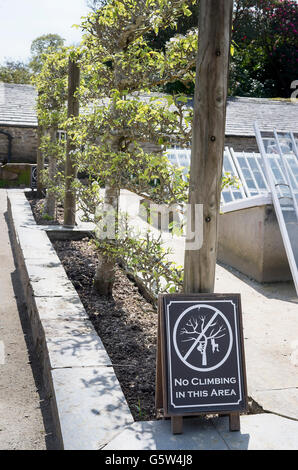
208,138
50,203
105,271
70,167
204,353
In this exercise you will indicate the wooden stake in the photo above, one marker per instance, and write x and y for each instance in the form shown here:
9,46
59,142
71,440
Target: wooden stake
234,420
70,168
177,424
159,377
208,138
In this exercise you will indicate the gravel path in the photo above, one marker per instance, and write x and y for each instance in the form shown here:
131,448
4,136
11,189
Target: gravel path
25,422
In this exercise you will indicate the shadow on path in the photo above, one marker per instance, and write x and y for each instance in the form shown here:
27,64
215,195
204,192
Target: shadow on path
50,439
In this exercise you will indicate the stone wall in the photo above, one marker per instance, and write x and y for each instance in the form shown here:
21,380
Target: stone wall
242,143
238,143
24,144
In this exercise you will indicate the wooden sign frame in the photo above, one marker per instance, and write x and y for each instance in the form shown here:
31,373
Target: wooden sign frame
162,382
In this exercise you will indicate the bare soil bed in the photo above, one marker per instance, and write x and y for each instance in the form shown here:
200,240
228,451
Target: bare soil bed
126,324
37,209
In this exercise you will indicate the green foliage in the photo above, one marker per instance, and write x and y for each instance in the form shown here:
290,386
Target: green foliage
144,257
44,45
265,36
120,68
15,72
47,217
51,84
125,127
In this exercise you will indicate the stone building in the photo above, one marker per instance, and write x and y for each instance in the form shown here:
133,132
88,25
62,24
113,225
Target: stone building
268,113
18,121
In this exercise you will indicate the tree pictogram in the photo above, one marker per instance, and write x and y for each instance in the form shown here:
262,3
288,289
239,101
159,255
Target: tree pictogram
201,334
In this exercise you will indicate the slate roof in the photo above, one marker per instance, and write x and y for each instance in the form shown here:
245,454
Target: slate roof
270,114
17,105
17,108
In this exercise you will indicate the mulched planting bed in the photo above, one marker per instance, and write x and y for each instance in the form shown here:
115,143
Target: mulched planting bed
126,324
37,209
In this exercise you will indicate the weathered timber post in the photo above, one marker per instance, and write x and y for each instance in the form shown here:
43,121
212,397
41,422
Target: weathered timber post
51,199
70,167
39,164
215,27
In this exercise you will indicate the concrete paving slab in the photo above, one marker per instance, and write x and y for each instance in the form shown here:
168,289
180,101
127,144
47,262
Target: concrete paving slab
59,232
66,329
85,350
33,238
48,279
91,407
35,244
48,288
282,402
199,434
269,320
260,432
42,253
58,308
57,328
23,218
275,370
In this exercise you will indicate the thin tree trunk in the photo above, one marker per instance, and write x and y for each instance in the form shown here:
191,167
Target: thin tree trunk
105,272
51,202
70,167
215,27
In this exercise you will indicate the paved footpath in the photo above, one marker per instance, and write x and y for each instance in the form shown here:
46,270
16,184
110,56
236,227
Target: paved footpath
25,422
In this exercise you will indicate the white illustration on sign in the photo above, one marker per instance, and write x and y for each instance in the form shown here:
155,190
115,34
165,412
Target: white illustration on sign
197,326
205,334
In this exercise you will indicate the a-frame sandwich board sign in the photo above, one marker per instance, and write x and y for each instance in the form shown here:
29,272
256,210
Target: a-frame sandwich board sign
200,357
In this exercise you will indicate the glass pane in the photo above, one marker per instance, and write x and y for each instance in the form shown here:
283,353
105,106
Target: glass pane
227,196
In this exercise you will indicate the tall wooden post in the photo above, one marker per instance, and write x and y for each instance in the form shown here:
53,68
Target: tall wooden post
39,164
51,198
70,167
215,27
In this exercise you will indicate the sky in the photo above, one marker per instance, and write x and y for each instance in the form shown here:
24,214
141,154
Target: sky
22,21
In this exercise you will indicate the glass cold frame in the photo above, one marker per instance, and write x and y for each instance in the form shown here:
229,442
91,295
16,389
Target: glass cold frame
180,158
246,168
279,152
234,192
282,157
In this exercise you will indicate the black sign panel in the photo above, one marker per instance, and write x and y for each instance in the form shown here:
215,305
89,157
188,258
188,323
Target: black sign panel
203,356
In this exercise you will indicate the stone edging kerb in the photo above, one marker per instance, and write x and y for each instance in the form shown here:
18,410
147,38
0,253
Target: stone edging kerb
88,405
